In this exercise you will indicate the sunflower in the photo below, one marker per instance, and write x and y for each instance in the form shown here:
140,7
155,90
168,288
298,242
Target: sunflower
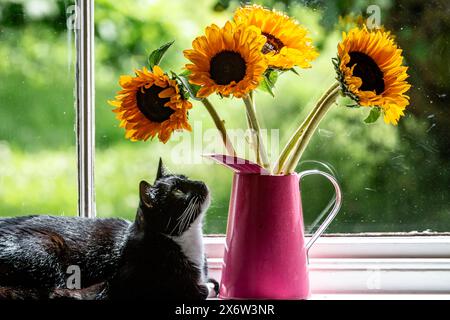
227,60
150,104
287,44
370,71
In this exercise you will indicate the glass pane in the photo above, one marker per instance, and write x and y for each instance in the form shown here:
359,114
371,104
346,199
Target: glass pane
394,178
37,139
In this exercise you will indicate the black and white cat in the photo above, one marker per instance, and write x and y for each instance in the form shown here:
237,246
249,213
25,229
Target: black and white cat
158,256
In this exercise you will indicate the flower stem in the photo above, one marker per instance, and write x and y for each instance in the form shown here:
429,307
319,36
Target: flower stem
220,125
254,126
320,113
253,141
295,138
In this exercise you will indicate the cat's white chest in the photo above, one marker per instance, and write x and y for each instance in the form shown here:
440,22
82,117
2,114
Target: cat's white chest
191,243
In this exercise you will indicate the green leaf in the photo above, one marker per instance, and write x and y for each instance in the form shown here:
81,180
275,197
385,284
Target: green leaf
335,62
294,71
264,86
272,76
156,56
221,5
183,90
353,106
190,88
185,73
269,81
373,116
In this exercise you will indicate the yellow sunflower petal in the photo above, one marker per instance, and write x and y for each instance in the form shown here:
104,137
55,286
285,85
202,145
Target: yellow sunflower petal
167,93
124,80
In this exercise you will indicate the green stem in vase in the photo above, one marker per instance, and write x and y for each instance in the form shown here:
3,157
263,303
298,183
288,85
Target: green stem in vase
320,113
256,130
220,125
253,141
295,138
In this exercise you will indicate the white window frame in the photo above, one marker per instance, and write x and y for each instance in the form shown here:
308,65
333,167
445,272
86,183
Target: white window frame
352,265
85,106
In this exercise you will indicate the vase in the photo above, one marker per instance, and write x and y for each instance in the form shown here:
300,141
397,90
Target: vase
266,255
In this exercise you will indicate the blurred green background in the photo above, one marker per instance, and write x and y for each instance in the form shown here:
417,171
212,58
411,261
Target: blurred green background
393,178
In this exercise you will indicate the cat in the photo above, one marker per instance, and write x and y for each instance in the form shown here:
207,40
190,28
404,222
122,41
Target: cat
158,256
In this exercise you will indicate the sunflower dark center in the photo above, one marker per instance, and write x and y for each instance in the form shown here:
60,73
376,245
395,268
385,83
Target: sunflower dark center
272,44
369,72
152,106
226,67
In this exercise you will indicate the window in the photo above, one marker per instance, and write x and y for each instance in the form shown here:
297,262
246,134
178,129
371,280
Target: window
38,172
394,180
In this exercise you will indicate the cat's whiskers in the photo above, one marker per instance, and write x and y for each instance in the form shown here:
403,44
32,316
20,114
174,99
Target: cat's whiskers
168,223
191,213
176,226
185,212
186,217
194,211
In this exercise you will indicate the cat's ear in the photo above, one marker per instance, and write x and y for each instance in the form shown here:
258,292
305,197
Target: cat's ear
162,170
144,189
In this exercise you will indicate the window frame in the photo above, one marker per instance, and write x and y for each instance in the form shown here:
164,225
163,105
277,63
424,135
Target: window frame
85,106
343,264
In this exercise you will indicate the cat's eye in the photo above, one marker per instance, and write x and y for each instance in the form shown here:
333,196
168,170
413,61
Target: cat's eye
177,192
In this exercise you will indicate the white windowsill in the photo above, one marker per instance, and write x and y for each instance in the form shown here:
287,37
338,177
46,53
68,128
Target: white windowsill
381,267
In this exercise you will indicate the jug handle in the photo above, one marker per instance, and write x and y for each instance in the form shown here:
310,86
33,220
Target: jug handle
333,212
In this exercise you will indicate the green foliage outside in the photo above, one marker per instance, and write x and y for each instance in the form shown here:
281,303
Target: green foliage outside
393,178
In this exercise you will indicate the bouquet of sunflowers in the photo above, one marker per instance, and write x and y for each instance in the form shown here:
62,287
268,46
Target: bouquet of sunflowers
250,53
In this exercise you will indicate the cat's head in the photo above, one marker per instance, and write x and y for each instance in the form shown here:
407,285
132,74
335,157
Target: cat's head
172,204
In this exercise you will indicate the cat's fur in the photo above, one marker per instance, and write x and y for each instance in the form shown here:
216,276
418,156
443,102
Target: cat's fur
158,256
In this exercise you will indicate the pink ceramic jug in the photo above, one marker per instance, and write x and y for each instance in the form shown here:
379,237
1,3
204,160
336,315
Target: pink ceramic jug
266,256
